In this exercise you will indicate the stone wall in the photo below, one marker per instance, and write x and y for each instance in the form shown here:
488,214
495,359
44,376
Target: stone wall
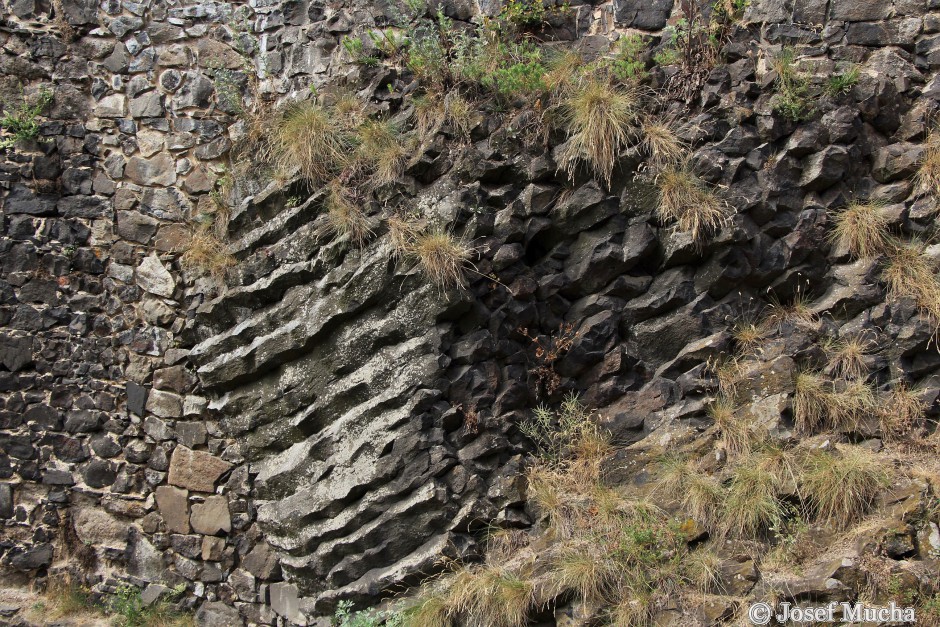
327,424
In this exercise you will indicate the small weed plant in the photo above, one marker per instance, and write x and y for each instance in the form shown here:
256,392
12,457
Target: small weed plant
21,123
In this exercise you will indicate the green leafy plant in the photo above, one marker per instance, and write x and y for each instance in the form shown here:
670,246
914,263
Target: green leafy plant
21,123
346,617
128,609
627,64
531,14
842,83
792,100
356,49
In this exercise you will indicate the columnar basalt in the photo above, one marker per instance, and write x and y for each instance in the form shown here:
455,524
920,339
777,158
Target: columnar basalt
323,423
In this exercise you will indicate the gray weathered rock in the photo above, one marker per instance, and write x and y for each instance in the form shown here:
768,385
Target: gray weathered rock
211,517
153,277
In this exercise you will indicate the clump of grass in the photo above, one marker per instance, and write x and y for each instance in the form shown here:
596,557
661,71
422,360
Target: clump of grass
489,595
749,334
460,114
901,415
700,495
850,404
752,506
443,257
381,150
927,177
662,144
729,372
910,273
428,113
65,599
811,401
687,201
583,568
843,82
792,100
841,487
601,121
312,138
738,432
862,229
797,311
847,356
562,70
344,218
205,253
402,232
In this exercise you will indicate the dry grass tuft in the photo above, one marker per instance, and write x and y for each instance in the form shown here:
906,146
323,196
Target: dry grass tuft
489,595
601,120
381,151
687,201
429,112
847,356
901,415
581,567
841,487
443,256
312,138
752,506
927,177
739,433
562,70
862,229
811,401
206,254
850,404
910,273
797,312
662,144
344,218
700,495
460,114
749,334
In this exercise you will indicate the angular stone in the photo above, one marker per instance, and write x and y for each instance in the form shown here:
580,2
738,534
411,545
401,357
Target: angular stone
32,558
284,600
173,505
212,548
165,405
213,53
96,527
158,170
136,227
191,434
136,398
149,105
824,168
154,278
196,470
6,500
896,161
152,593
216,614
113,106
15,352
157,429
211,517
262,562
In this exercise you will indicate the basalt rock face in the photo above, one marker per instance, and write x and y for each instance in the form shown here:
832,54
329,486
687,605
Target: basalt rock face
328,423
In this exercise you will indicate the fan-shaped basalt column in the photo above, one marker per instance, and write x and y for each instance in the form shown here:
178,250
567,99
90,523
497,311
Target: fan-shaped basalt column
328,373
